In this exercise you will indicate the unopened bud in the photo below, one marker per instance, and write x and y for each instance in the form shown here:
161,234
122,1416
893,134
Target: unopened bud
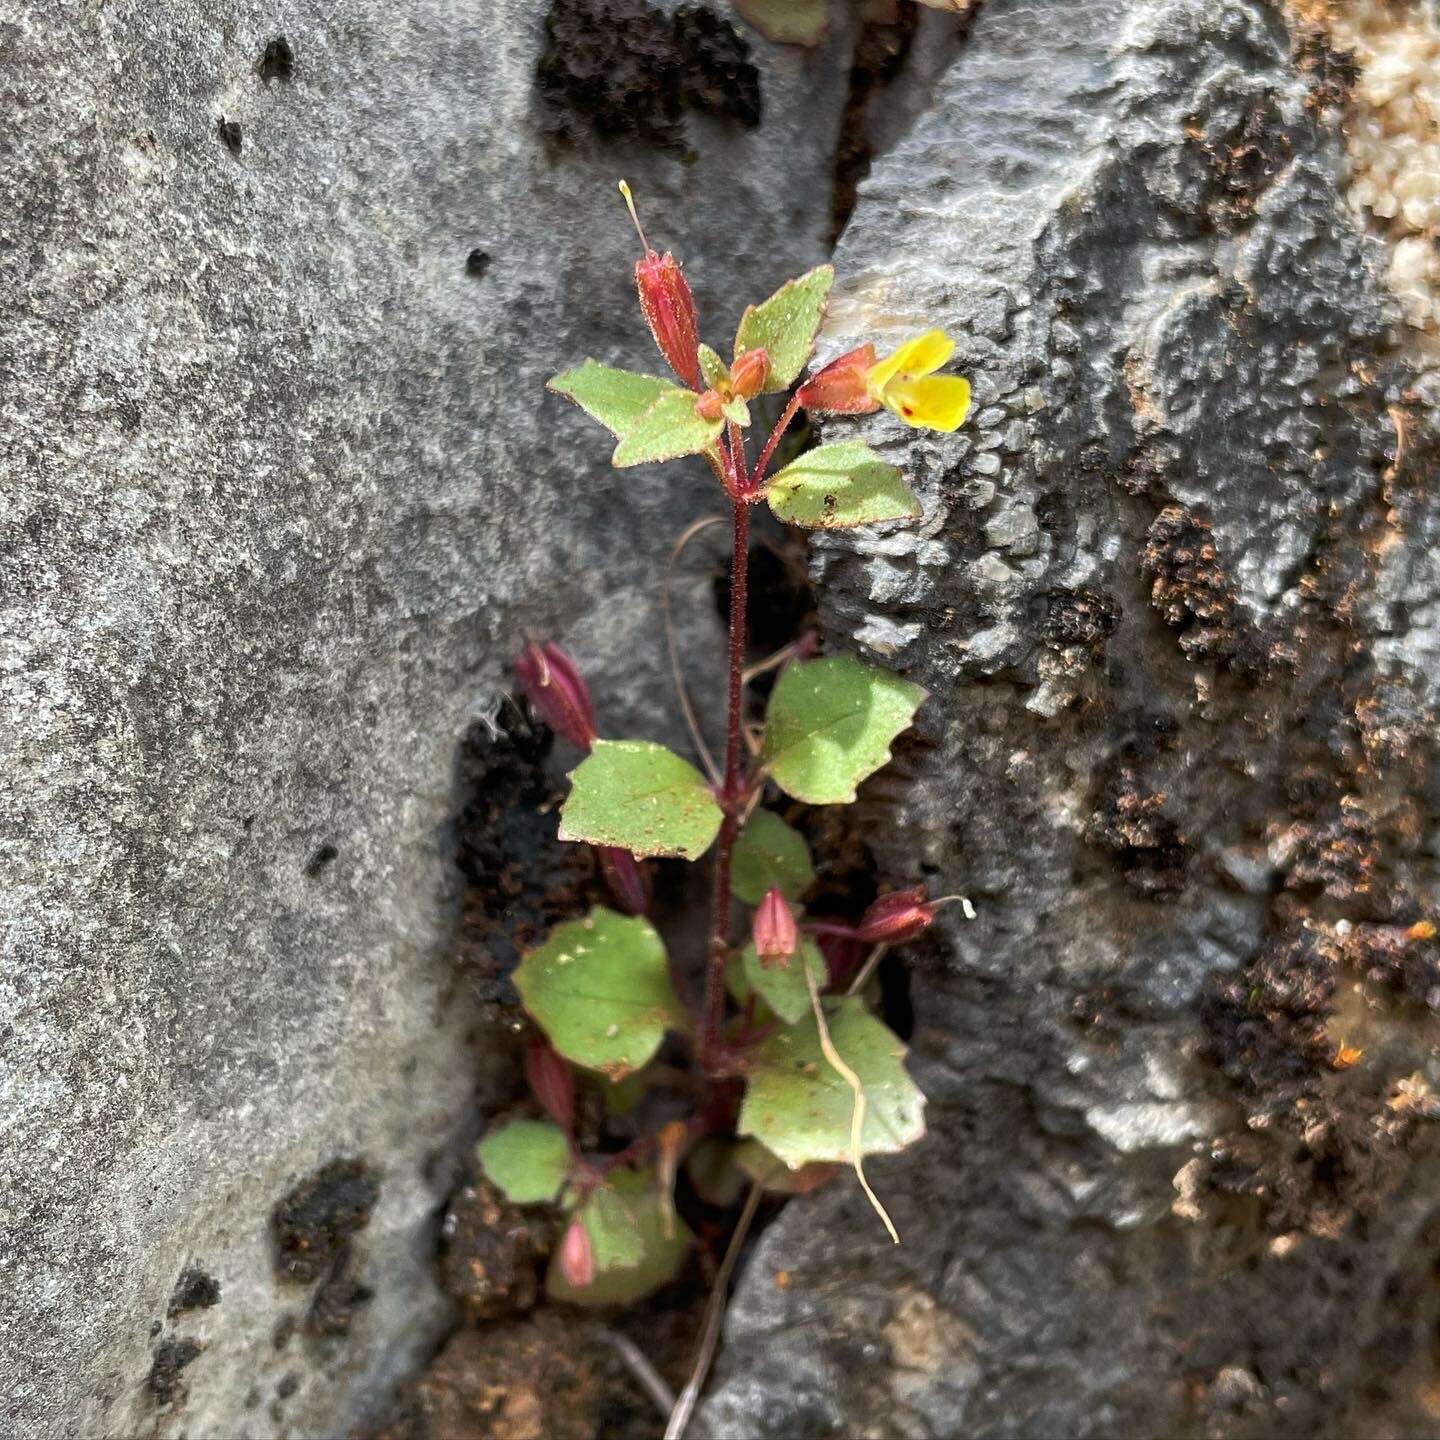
774,931
711,405
896,917
668,305
551,1083
842,387
552,682
626,878
577,1256
749,373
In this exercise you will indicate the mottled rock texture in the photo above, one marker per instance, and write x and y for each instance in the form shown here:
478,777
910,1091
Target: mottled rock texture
1171,597
280,494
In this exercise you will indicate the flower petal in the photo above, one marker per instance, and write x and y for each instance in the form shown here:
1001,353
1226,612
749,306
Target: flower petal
921,356
939,402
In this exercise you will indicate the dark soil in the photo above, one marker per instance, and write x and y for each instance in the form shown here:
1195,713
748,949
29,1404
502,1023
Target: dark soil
194,1290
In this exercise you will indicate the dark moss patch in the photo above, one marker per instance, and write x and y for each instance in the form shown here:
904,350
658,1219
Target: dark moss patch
312,1224
164,1381
1240,153
230,135
520,878
1192,590
623,69
477,262
194,1290
1133,813
717,77
1083,616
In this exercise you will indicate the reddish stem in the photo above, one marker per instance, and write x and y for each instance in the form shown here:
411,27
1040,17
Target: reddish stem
762,466
734,786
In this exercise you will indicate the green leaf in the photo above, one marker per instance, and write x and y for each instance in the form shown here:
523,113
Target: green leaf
634,1255
770,854
527,1159
713,1171
838,486
640,797
738,412
616,398
782,987
787,22
712,368
600,989
671,427
785,325
829,724
799,1107
764,1165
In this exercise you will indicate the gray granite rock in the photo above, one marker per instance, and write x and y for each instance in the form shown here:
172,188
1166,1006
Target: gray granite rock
281,496
1179,753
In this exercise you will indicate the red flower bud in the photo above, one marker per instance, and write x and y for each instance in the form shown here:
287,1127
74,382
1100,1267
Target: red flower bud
896,917
749,373
626,878
551,1083
776,935
549,677
668,305
670,313
710,406
842,387
577,1256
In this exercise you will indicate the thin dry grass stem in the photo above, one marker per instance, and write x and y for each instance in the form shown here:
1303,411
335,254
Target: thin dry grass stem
770,662
676,673
868,969
714,1316
857,1115
646,1375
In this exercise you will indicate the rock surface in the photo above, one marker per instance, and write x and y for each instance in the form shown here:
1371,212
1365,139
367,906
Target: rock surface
1171,598
282,495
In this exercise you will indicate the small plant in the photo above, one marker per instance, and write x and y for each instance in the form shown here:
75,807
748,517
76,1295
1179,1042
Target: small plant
791,1072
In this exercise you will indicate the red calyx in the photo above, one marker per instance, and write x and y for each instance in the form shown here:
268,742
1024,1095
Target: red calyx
749,373
669,310
553,684
626,878
551,1083
774,931
577,1256
841,387
896,917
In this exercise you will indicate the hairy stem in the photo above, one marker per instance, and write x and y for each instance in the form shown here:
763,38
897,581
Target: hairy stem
733,787
762,465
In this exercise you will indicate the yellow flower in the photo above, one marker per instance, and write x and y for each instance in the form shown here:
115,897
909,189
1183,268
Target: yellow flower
905,383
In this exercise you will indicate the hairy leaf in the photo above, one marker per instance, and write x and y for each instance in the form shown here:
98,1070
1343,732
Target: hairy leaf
770,854
797,1106
527,1159
839,486
784,326
616,398
829,724
671,427
634,1254
600,989
640,797
764,1165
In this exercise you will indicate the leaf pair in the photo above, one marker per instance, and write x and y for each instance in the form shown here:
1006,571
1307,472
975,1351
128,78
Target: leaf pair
828,726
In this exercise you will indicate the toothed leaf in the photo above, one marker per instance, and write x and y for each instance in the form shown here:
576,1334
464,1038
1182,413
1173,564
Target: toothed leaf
840,486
